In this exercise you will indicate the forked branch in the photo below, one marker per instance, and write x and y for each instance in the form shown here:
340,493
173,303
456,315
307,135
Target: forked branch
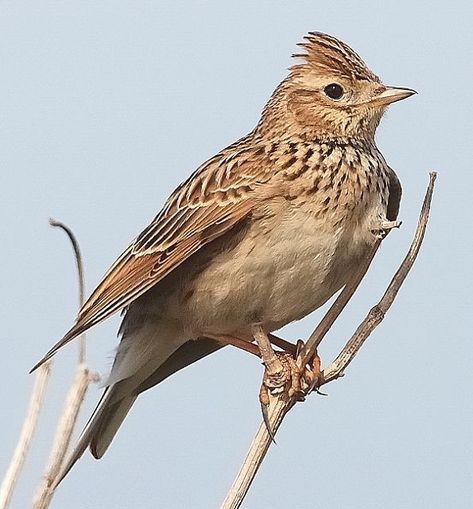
280,406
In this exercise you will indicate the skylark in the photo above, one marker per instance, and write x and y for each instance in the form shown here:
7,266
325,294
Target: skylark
258,236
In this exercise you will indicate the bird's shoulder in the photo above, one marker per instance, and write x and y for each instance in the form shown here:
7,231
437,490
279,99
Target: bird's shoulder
224,184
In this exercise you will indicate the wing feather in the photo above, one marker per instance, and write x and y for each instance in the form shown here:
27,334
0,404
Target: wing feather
198,212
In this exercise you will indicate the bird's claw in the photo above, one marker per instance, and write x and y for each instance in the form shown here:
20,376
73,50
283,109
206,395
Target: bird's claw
384,227
312,374
294,382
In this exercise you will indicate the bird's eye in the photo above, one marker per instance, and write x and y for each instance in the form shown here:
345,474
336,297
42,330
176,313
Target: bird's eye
334,91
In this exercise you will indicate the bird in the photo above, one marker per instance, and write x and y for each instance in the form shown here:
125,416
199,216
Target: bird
260,235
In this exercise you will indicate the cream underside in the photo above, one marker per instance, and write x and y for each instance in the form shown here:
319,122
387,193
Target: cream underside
280,271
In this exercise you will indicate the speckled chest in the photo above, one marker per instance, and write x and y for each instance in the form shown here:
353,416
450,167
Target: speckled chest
343,180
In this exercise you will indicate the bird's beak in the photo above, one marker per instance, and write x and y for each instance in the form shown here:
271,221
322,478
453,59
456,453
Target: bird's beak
392,95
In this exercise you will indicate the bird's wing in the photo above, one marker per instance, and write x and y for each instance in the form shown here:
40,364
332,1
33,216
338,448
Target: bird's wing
394,200
213,200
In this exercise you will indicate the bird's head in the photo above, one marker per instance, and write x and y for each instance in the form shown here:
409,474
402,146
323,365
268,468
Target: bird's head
330,93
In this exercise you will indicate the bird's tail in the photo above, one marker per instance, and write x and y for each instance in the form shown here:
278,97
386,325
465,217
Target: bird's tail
120,395
108,419
142,350
101,428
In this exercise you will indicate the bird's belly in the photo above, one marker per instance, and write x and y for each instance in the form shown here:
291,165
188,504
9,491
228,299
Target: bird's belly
271,277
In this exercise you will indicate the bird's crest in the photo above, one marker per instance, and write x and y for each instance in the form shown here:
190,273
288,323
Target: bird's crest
326,54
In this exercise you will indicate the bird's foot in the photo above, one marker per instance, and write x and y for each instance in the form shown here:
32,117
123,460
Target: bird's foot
384,227
293,382
284,383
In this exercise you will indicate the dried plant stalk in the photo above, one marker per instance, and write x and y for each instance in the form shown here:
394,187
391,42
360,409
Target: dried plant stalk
63,436
69,416
24,441
74,399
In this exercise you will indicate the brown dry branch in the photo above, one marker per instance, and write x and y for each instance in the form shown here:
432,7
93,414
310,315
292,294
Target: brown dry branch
74,398
280,405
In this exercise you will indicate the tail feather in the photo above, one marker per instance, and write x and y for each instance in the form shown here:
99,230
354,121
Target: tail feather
110,420
119,397
101,428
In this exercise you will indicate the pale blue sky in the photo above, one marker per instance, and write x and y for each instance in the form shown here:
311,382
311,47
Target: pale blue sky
105,107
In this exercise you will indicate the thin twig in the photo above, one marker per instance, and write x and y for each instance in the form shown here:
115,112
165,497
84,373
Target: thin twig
26,435
280,406
256,454
80,278
62,438
74,398
37,399
378,312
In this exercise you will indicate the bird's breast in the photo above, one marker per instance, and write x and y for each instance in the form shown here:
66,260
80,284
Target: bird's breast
286,265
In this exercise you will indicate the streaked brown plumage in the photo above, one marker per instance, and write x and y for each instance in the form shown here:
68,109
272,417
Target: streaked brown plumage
262,233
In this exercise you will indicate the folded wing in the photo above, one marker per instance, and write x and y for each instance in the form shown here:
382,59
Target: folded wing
212,201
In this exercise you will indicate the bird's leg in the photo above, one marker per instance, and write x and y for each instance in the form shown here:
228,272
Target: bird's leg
284,345
286,384
250,347
282,374
276,374
383,226
247,346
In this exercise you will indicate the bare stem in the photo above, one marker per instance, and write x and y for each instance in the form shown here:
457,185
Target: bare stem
378,312
26,435
74,398
279,406
37,395
80,278
256,454
62,438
